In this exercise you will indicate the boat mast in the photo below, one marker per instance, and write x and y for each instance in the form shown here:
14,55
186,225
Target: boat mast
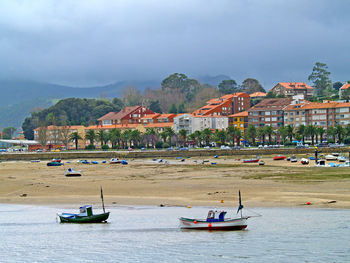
103,203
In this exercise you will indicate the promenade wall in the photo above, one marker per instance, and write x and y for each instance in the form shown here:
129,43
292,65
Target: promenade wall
162,154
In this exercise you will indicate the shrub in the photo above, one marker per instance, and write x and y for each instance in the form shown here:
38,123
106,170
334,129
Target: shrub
159,144
90,147
166,145
105,147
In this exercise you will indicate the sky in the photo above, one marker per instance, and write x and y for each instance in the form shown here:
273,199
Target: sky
95,42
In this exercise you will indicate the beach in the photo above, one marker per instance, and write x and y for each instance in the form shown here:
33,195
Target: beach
173,182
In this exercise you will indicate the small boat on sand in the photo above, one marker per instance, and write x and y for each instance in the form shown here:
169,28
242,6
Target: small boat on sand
279,157
115,160
71,172
252,160
341,159
86,215
54,164
216,221
331,157
293,159
304,161
261,162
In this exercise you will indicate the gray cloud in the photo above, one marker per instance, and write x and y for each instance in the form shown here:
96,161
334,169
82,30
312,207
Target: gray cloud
101,41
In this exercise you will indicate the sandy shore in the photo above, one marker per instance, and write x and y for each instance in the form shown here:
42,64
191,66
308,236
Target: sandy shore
147,182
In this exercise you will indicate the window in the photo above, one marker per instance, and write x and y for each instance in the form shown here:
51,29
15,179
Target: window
274,113
267,119
267,113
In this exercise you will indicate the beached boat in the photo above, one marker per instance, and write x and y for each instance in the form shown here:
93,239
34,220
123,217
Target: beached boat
71,172
252,160
54,164
216,221
115,160
56,160
86,215
331,157
261,162
341,159
293,159
304,161
321,163
279,157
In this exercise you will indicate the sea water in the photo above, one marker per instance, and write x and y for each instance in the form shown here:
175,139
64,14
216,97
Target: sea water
151,234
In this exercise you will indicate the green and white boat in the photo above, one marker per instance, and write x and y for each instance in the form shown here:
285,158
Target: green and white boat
85,216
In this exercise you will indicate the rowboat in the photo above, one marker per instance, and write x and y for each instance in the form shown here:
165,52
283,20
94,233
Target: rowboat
54,164
304,161
71,172
86,215
279,157
253,160
216,220
331,157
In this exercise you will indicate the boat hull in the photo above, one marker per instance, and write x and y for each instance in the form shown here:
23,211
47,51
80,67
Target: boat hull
99,218
251,161
199,224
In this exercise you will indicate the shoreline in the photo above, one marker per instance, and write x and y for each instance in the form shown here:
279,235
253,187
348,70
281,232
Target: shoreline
145,182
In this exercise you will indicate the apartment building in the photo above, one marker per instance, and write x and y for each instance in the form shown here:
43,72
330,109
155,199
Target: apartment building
239,120
192,123
290,89
325,114
268,112
128,115
226,105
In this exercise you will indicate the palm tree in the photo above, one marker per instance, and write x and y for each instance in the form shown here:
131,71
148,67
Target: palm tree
237,135
301,131
170,132
261,134
197,137
251,133
320,131
102,135
220,136
164,136
151,135
340,132
90,135
310,130
206,136
183,136
269,132
332,131
290,132
75,137
231,133
282,131
135,136
114,137
125,136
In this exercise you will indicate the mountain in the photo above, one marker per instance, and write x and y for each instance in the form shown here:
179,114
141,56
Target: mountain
19,98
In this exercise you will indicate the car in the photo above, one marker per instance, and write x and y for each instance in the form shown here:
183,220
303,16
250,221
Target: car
236,147
207,147
184,149
39,150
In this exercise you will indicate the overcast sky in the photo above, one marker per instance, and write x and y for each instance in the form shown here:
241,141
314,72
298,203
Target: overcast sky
92,42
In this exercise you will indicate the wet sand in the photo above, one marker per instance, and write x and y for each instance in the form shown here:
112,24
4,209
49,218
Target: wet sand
176,183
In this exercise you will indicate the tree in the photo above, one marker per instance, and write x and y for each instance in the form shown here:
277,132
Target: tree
151,134
114,137
228,86
65,135
181,108
155,106
43,136
220,136
102,136
290,132
90,135
320,131
282,131
269,132
340,131
206,136
75,137
320,78
132,96
270,95
261,132
197,136
183,136
337,85
332,131
125,136
7,133
118,104
310,130
231,133
170,133
251,85
173,109
251,133
301,131
135,137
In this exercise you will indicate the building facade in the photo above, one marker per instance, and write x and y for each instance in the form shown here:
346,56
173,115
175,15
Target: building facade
239,120
192,123
290,89
128,115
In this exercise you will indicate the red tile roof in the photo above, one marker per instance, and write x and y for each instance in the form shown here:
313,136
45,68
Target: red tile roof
345,86
119,115
240,114
258,94
295,85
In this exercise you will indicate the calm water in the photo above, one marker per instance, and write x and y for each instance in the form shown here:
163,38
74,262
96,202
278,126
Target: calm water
151,234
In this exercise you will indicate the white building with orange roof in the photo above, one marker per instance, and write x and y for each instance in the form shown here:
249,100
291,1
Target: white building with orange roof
290,89
192,123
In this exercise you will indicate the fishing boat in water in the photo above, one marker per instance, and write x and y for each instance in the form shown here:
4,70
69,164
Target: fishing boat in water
86,215
216,220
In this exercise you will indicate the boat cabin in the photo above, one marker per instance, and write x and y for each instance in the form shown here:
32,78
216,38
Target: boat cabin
321,163
216,216
85,210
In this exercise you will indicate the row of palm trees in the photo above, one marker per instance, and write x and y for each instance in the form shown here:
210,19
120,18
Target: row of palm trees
232,135
300,133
